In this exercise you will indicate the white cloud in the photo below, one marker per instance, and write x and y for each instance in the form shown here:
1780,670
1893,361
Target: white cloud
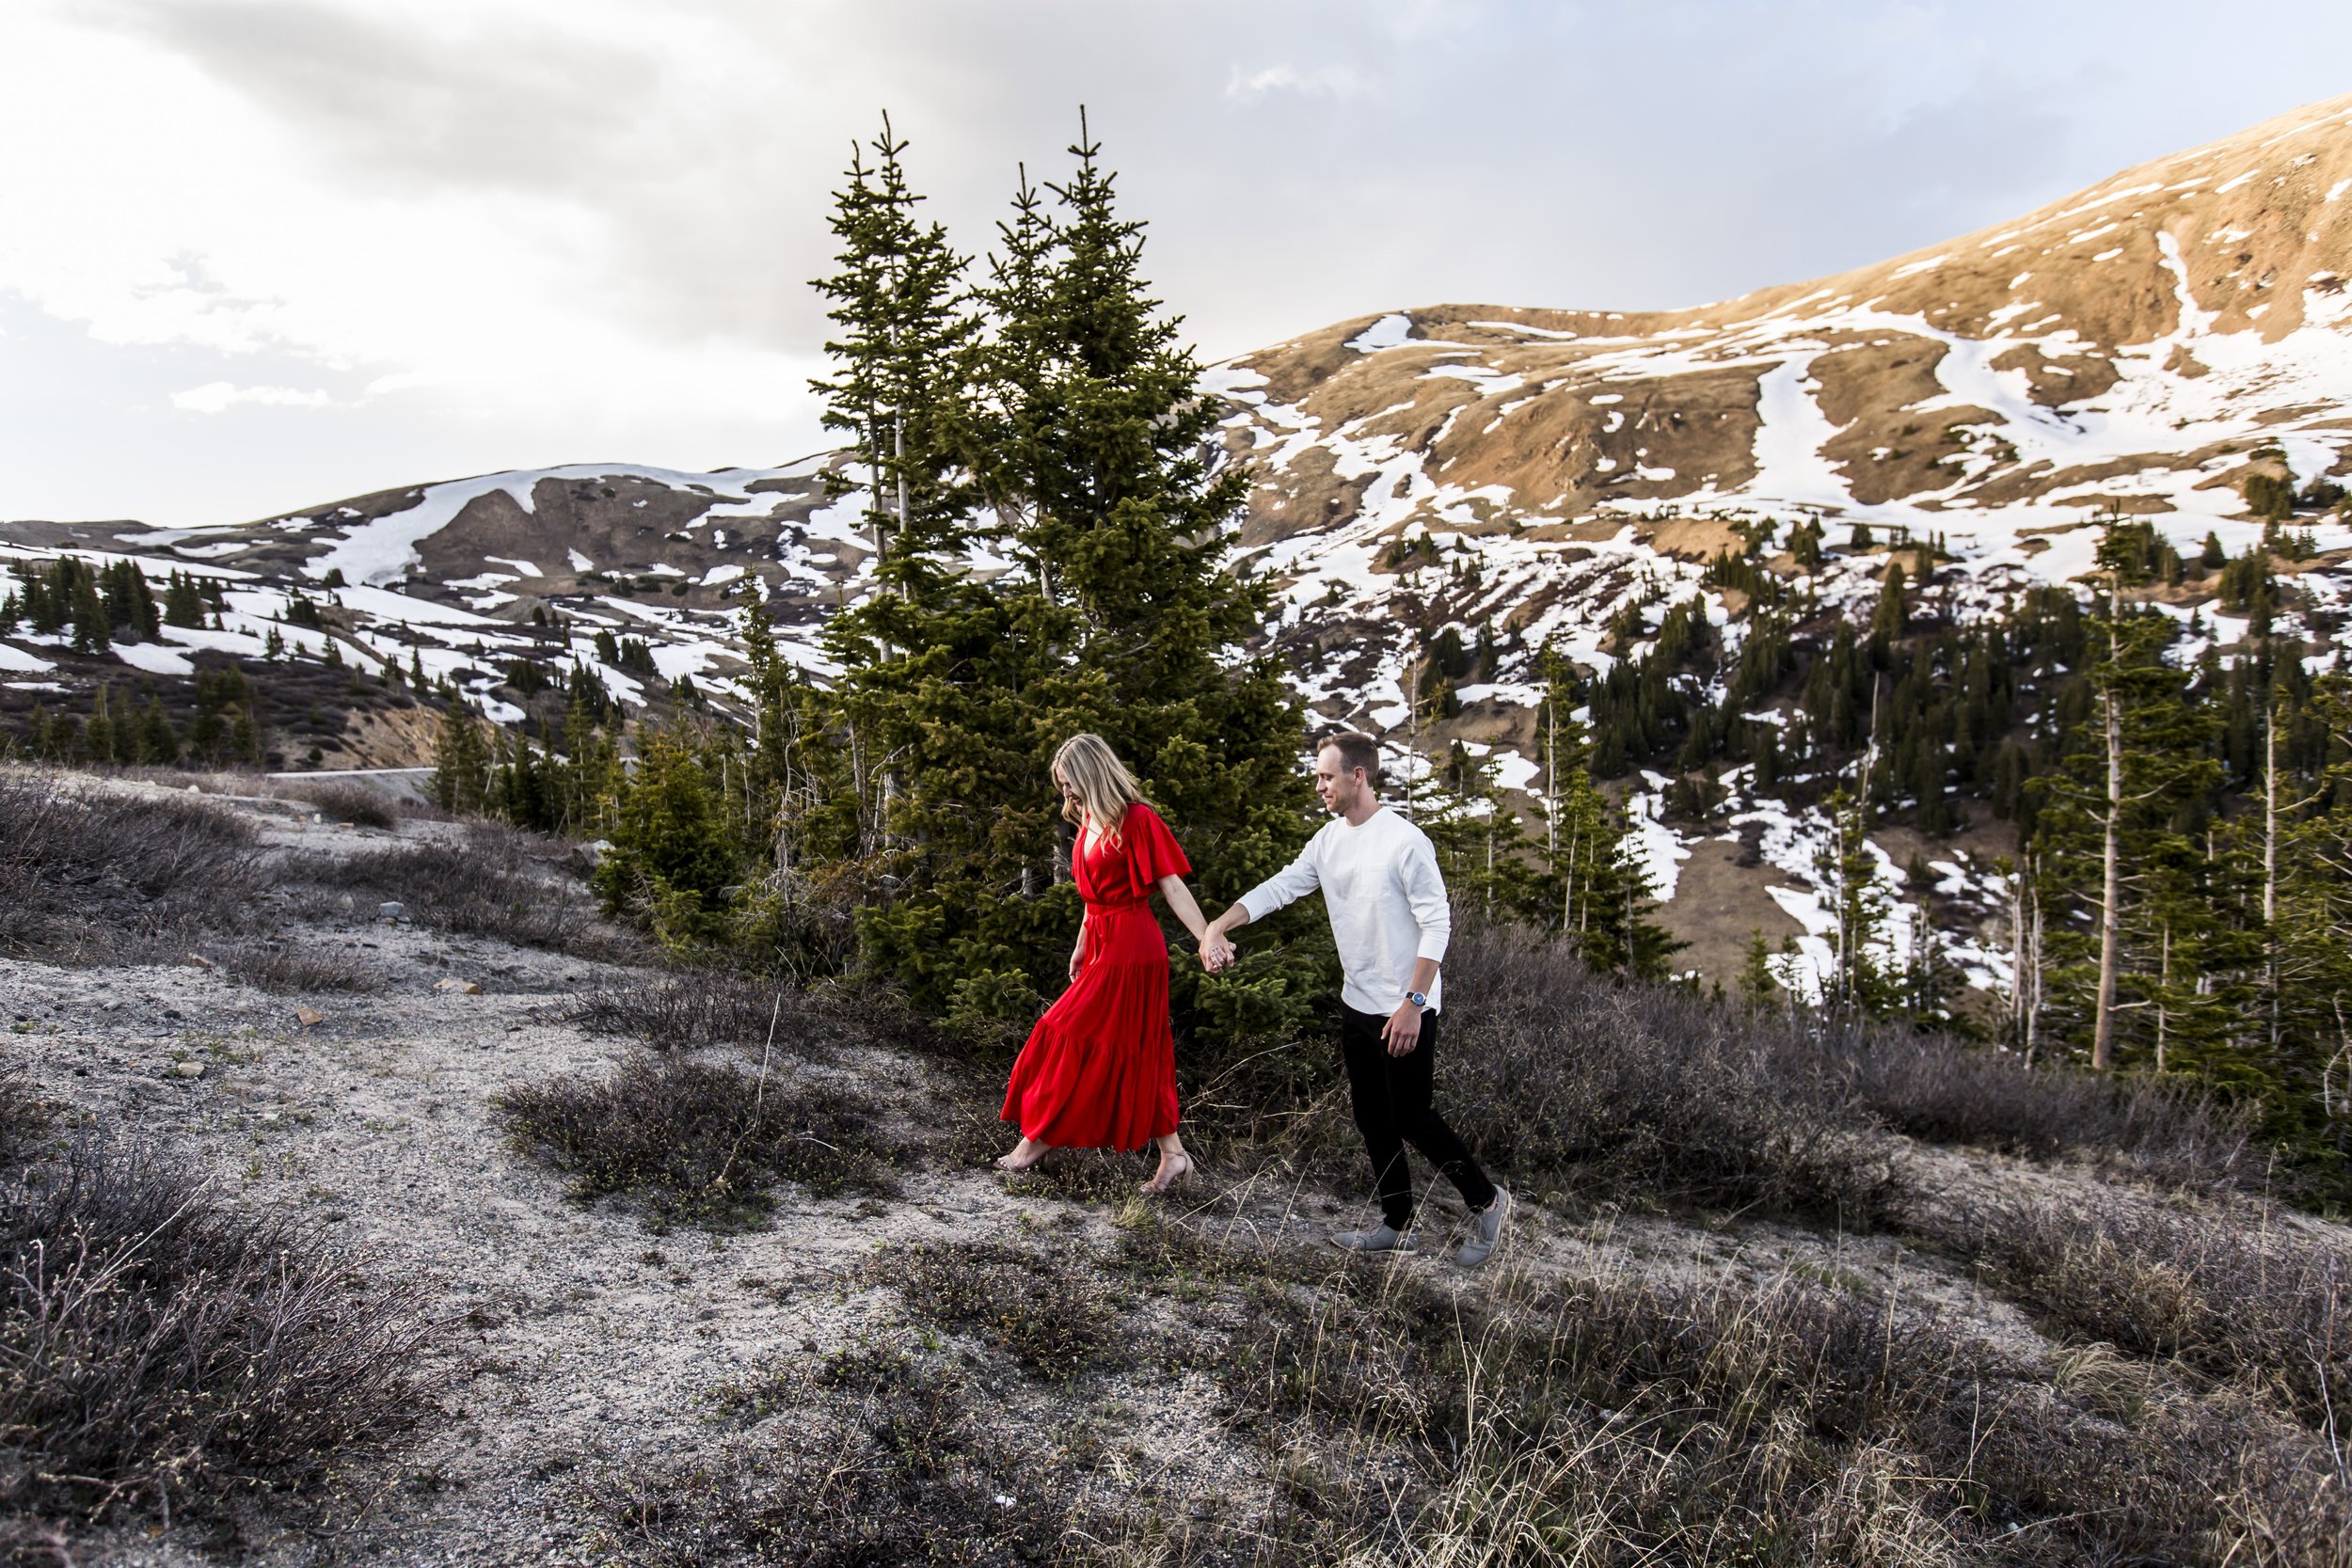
218,396
527,232
1329,81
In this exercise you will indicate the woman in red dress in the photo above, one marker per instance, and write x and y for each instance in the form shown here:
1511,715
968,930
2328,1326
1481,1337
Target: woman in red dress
1099,1071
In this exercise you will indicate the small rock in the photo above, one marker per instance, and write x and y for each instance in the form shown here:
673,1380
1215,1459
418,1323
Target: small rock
192,790
459,987
391,909
189,1069
198,961
269,1118
309,1017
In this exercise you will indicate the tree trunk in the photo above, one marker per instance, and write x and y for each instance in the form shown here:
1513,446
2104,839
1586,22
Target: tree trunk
2110,900
2270,865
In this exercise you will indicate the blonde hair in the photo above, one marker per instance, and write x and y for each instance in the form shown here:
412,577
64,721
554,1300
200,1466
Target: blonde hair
1106,788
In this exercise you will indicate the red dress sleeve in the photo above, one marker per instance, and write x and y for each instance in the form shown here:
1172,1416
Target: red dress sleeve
1153,851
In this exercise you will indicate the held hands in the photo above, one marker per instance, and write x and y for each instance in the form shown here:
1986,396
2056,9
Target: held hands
1403,1030
1217,950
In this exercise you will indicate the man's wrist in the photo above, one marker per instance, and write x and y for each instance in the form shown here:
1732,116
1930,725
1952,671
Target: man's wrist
1419,1000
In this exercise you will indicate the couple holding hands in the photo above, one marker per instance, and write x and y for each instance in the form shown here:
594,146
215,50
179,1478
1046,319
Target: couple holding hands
1099,1071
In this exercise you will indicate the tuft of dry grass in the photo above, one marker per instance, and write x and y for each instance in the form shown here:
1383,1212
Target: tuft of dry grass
700,1144
2226,1294
160,1350
88,872
1612,1419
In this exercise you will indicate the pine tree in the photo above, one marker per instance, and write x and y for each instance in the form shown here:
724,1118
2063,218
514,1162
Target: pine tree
183,605
1892,618
461,759
98,737
671,859
155,742
899,305
92,631
1080,424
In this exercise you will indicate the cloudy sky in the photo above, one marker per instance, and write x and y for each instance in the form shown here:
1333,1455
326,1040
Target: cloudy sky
259,254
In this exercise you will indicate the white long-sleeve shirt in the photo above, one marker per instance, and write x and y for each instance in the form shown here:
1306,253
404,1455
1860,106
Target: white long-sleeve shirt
1387,901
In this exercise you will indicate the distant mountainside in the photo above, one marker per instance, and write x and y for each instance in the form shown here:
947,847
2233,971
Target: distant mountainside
2145,345
2151,345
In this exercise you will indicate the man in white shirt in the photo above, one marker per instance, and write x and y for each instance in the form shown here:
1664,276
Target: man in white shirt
1390,919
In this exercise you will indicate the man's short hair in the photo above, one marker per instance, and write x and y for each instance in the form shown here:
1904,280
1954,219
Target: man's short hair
1356,749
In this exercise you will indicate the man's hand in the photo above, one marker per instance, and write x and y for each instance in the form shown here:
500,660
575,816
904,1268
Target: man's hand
1403,1030
1217,950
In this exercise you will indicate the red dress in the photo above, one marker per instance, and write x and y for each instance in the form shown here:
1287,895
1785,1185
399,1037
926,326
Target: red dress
1100,1069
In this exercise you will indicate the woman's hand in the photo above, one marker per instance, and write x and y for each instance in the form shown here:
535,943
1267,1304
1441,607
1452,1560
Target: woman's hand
1077,958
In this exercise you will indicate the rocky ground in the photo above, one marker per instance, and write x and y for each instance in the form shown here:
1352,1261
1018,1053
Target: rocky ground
604,1385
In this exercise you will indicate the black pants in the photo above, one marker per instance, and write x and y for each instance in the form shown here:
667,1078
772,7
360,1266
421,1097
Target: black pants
1391,1096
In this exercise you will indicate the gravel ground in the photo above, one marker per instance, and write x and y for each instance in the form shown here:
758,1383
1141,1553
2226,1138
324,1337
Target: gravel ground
579,1347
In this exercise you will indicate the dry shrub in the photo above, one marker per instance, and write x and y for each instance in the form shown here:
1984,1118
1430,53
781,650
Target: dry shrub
1554,1073
684,1012
2226,1294
296,969
24,1116
342,800
514,886
90,873
1607,1419
722,1007
877,1460
1941,1090
1049,1316
159,1351
705,1145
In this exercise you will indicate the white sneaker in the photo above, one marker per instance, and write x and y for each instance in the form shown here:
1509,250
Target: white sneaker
1380,1238
1486,1231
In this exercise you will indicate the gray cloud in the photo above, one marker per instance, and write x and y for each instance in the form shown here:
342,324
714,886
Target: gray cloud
1299,161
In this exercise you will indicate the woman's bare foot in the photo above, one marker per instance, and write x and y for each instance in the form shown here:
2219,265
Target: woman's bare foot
1173,1168
1025,1153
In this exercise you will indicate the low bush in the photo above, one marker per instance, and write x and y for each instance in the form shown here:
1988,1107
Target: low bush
296,968
1051,1318
342,800
881,1460
1944,1091
1553,1075
159,1351
721,1007
88,873
25,1117
700,1144
2221,1292
497,882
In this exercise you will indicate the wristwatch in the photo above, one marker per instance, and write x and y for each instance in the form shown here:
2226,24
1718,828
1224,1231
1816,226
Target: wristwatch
1418,999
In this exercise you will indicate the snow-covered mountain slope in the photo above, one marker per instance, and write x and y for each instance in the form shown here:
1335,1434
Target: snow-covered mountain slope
2127,346
2143,345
